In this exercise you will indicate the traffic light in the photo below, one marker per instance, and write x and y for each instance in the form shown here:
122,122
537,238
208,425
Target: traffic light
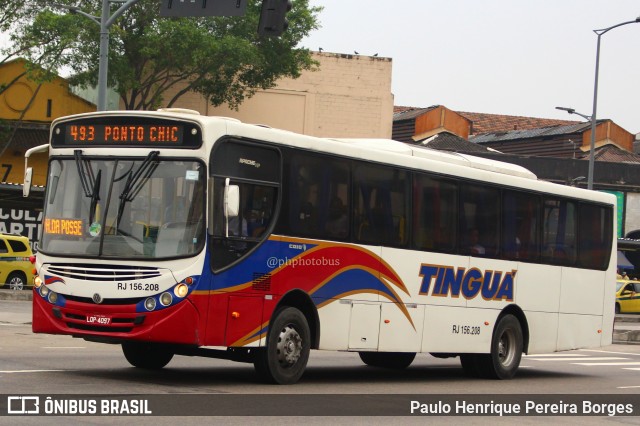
273,21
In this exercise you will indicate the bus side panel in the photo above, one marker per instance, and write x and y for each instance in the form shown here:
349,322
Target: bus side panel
608,305
334,325
458,330
364,327
537,288
579,331
543,332
499,283
581,291
244,321
397,333
216,319
411,267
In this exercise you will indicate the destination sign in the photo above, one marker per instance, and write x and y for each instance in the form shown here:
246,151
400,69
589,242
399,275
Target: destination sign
126,131
63,226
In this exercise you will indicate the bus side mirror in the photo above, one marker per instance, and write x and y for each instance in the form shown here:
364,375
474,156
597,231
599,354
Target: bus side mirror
231,200
26,187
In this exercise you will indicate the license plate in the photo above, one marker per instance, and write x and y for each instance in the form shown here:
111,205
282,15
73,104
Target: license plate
98,319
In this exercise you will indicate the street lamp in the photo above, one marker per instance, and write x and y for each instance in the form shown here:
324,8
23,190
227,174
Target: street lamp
104,21
595,98
586,117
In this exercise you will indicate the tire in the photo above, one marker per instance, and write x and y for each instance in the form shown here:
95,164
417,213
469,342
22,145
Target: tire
470,365
16,281
392,360
148,356
285,358
506,350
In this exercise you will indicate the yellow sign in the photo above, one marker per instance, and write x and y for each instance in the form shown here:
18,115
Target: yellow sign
63,226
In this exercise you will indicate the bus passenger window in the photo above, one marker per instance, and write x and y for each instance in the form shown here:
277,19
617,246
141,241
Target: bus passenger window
337,225
435,214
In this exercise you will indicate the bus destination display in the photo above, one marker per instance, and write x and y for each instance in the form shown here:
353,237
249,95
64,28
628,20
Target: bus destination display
119,132
114,134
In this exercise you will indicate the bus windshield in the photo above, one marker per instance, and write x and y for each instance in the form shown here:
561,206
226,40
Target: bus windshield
124,208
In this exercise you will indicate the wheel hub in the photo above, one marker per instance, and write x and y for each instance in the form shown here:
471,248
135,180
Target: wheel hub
289,346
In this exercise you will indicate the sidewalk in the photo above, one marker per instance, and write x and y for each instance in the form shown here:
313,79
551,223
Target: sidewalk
626,328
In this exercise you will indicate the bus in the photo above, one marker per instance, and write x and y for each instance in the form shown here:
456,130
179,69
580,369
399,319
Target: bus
172,233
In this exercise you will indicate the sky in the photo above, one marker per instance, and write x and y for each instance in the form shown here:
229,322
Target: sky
511,57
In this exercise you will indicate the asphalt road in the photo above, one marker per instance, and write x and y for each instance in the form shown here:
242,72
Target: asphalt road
37,364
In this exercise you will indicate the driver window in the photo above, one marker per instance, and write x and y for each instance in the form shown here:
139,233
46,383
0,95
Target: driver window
257,205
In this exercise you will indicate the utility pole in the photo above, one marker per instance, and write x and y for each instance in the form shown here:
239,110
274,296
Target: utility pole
105,21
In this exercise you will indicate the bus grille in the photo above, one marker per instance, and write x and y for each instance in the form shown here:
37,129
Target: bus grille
102,272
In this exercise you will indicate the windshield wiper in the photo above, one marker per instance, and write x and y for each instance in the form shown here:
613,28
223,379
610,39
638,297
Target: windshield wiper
95,197
85,172
136,181
90,184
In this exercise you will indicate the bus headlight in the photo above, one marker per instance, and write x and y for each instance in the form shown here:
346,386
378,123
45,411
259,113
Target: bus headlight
44,290
53,297
37,281
166,298
150,304
181,290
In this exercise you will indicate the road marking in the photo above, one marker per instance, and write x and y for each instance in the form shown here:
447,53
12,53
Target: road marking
636,369
610,352
606,363
28,371
553,355
629,387
604,358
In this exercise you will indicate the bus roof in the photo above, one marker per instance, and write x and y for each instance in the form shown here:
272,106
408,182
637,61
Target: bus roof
448,157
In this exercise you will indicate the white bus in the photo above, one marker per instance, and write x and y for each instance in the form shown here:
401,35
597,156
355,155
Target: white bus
172,233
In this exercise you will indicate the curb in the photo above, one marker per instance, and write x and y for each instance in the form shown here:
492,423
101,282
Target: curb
24,295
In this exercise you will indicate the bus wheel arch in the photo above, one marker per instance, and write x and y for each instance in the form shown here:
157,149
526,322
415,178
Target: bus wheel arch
284,358
509,341
292,332
522,319
300,300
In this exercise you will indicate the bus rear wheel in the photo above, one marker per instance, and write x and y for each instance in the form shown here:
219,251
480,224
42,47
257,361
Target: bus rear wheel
393,360
470,364
285,358
506,350
146,355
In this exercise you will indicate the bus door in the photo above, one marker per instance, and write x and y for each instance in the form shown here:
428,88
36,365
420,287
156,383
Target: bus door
246,175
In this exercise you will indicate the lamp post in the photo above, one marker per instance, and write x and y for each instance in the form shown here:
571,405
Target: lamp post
104,21
573,111
595,97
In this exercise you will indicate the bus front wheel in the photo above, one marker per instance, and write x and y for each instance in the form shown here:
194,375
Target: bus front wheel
285,358
146,355
506,350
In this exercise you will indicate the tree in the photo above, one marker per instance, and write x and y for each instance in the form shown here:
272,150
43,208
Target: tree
43,58
44,61
153,61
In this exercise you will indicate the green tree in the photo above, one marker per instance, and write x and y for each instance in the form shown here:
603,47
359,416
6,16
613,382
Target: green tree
153,60
43,58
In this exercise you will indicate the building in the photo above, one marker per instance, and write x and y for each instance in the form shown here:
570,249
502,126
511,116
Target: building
347,96
555,150
27,108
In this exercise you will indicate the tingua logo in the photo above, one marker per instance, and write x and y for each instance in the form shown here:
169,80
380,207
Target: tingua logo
446,281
